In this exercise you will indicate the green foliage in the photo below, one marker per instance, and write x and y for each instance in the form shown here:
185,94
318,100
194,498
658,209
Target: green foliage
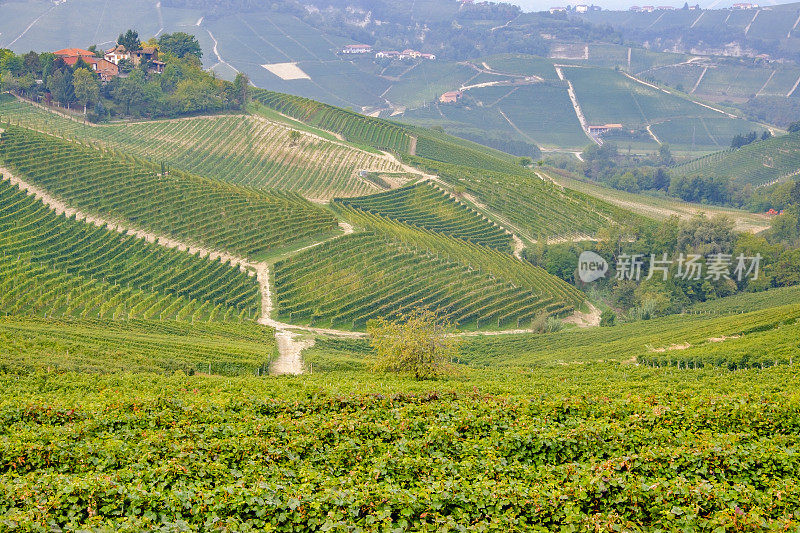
244,150
29,346
597,446
221,216
757,164
180,44
30,230
352,126
418,343
535,207
130,40
392,269
608,318
428,207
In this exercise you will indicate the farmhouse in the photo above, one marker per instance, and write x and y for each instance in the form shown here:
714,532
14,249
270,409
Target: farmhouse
598,130
744,6
451,97
104,68
147,55
357,49
559,9
581,8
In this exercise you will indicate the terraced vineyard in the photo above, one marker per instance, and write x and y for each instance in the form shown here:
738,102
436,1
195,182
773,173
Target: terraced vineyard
56,266
536,209
759,163
30,345
352,126
242,149
428,207
350,280
221,216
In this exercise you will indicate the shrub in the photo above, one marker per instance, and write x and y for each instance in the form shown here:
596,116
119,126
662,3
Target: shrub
419,343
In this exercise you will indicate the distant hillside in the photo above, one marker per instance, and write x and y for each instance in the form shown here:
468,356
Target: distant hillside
757,164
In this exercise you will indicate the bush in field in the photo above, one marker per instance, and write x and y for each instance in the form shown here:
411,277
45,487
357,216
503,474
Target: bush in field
418,343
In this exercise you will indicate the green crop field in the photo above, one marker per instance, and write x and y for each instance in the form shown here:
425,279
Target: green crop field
759,163
637,448
30,230
352,126
392,268
245,150
428,207
94,346
536,209
222,216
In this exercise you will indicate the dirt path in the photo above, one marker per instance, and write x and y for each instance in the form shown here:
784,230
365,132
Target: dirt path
573,97
288,347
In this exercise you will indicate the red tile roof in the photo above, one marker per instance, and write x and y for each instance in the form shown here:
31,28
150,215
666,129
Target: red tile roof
73,52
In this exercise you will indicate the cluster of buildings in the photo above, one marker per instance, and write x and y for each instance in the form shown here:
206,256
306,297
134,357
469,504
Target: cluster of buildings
650,9
580,8
107,67
391,54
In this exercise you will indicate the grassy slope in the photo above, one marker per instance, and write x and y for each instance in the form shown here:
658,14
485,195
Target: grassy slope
655,207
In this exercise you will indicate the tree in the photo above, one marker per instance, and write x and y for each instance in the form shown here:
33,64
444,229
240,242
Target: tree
419,343
130,40
31,63
525,161
86,87
241,88
130,90
180,44
60,84
665,155
794,194
294,137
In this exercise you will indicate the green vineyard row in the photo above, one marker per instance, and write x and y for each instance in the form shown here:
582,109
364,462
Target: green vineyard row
428,207
199,210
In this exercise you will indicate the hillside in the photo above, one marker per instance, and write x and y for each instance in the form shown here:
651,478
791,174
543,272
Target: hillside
55,266
218,215
758,164
242,149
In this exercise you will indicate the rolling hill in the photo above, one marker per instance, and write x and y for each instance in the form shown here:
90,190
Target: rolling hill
247,150
758,164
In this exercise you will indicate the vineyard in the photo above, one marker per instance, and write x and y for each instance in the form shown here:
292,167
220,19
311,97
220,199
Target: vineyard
537,209
595,447
680,338
759,163
348,281
350,125
30,345
218,215
31,231
428,207
241,149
